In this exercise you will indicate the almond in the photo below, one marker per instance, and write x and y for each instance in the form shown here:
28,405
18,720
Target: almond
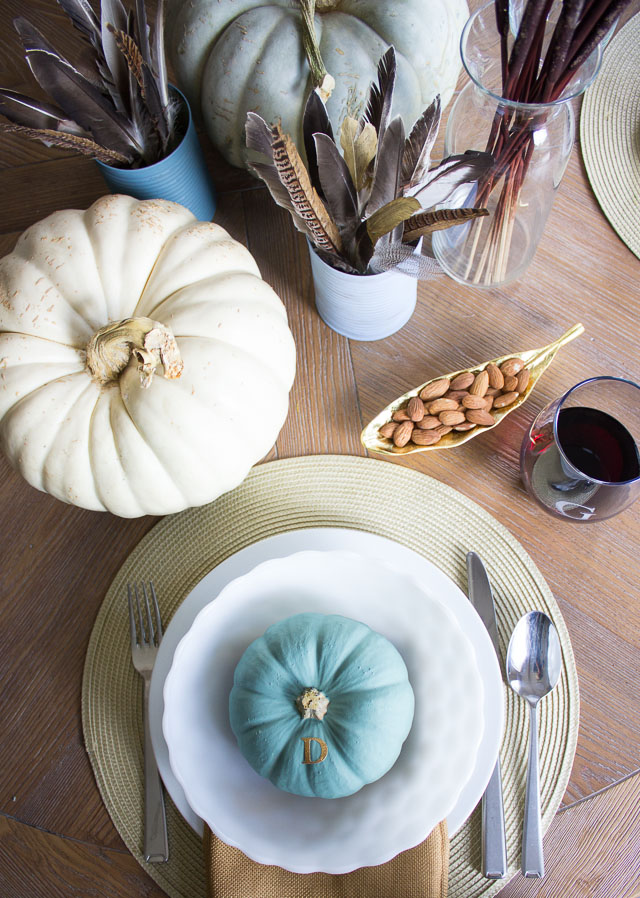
425,437
471,401
402,434
493,391
462,381
387,429
468,425
496,377
478,416
458,395
444,428
450,418
511,367
488,403
415,408
435,389
480,384
428,422
523,380
443,405
510,383
505,399
400,414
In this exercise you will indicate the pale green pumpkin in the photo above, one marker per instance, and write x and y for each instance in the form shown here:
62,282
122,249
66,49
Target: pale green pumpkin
236,56
321,705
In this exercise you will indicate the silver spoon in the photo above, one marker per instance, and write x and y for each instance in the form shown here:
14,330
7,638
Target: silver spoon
534,660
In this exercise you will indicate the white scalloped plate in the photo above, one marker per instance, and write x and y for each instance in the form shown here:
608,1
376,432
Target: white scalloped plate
448,746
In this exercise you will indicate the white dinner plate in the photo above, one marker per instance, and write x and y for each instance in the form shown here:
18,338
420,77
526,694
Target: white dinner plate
394,813
375,547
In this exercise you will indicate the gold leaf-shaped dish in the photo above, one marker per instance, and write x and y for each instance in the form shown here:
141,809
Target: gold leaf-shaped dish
536,360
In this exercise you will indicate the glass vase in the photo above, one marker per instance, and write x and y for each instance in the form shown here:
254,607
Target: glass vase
530,144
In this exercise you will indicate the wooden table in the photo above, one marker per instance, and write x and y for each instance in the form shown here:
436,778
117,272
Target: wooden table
57,561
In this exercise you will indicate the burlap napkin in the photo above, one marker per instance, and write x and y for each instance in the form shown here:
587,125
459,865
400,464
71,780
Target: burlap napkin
420,872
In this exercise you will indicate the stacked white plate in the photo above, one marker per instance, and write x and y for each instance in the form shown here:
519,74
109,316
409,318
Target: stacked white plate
451,750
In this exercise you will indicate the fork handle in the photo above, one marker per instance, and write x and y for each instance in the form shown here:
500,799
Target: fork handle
156,843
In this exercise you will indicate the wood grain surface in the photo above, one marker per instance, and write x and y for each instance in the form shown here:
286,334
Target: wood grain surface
57,561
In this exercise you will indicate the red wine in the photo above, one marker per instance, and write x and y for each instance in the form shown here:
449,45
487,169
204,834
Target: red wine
598,445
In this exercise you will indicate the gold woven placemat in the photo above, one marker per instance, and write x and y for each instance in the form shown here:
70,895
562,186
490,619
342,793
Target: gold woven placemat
321,491
610,134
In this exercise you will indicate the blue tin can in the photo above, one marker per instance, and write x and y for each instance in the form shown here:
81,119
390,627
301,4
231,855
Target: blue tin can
182,176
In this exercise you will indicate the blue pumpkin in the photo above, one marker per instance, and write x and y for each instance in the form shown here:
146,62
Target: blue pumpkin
321,705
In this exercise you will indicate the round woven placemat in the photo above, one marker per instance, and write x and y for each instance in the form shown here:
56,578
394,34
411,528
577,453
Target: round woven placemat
610,134
321,491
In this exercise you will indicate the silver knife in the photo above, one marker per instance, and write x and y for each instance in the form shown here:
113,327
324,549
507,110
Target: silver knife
494,849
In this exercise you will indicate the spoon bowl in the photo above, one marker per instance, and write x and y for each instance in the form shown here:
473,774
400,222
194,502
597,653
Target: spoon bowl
534,659
534,662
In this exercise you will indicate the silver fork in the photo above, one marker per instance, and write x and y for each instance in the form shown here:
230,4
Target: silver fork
145,640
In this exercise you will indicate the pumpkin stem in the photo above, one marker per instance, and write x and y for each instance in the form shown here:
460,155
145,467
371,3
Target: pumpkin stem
312,703
322,80
141,342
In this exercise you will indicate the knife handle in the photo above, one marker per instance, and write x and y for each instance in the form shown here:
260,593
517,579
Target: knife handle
494,849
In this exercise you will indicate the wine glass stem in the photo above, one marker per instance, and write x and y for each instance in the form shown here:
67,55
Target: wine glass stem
532,857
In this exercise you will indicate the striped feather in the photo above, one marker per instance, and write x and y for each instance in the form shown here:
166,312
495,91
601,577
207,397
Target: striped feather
304,197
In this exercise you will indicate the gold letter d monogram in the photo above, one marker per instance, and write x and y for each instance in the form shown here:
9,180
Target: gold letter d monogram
307,749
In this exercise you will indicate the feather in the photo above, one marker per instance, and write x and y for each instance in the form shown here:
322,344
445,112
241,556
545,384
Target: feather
314,121
278,191
304,198
406,259
388,217
84,18
388,166
438,220
78,97
337,186
359,148
160,61
69,142
378,107
362,250
258,135
151,93
143,32
151,116
131,54
338,262
453,171
114,14
418,145
36,114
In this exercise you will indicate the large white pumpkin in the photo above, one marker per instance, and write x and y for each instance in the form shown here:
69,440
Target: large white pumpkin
82,413
236,56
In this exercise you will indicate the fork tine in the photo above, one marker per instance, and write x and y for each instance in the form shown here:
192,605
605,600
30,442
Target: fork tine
152,632
132,621
157,610
143,630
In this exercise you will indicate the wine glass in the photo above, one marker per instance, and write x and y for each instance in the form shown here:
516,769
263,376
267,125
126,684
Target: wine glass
580,458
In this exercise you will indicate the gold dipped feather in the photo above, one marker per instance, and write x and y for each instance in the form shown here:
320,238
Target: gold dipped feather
536,360
304,197
359,147
390,216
